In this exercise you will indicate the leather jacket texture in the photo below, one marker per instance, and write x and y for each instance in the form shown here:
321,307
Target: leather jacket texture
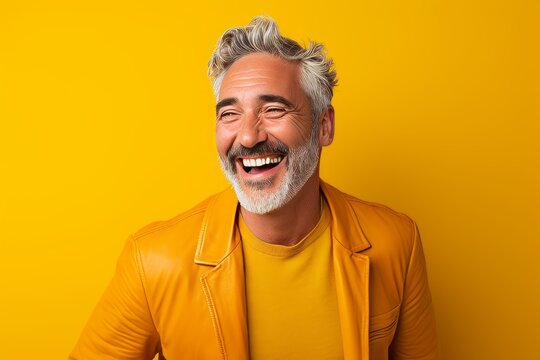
178,290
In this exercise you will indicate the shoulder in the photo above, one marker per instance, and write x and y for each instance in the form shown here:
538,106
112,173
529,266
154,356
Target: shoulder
375,215
367,212
172,239
386,230
182,220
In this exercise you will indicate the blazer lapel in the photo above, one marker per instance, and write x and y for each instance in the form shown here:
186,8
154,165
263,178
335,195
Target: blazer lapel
352,285
351,271
224,284
224,290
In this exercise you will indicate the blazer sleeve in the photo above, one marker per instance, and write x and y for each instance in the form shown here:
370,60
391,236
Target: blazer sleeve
121,325
415,336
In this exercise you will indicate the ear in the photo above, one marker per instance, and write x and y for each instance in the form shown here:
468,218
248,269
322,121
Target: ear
326,127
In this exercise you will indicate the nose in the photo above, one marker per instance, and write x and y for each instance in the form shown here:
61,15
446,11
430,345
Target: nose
251,130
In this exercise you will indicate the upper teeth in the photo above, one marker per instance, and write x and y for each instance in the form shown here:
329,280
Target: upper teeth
261,161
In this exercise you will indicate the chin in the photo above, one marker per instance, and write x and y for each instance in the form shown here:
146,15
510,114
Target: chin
263,201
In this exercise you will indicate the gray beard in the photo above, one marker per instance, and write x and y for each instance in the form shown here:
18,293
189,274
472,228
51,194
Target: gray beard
301,163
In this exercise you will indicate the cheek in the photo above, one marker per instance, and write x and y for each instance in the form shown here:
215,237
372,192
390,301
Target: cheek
224,139
291,133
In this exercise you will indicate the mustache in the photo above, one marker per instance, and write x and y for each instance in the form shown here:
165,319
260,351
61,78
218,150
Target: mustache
262,148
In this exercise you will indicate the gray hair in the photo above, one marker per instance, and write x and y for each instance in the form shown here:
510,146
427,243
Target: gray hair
317,75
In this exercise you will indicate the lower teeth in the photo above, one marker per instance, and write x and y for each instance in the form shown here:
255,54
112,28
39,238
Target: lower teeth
263,167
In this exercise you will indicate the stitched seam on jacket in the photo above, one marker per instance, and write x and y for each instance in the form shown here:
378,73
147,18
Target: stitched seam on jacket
142,278
413,248
213,316
168,223
204,226
377,205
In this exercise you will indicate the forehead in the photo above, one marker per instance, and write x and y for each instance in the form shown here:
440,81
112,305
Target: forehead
261,73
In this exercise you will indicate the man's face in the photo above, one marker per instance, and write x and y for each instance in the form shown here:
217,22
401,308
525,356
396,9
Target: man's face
266,143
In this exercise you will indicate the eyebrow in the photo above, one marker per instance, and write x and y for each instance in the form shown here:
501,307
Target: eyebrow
225,102
276,98
263,98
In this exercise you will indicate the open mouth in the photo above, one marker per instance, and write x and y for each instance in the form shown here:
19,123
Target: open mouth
260,164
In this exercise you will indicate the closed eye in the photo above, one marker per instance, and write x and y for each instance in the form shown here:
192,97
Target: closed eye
275,110
227,116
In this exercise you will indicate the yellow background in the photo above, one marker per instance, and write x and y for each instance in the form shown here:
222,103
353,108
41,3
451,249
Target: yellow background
106,124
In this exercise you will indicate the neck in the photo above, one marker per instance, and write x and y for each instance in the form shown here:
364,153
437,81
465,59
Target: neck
299,216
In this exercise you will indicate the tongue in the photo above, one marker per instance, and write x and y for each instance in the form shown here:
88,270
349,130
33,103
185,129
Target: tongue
261,169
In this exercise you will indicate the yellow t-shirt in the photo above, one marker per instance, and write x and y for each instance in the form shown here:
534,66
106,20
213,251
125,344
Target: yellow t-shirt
291,296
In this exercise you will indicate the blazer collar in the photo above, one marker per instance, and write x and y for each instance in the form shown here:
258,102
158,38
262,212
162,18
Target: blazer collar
216,239
346,229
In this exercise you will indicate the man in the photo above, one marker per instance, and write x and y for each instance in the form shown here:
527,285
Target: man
283,267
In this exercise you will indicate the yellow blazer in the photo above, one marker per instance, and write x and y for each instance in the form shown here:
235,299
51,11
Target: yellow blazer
179,289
